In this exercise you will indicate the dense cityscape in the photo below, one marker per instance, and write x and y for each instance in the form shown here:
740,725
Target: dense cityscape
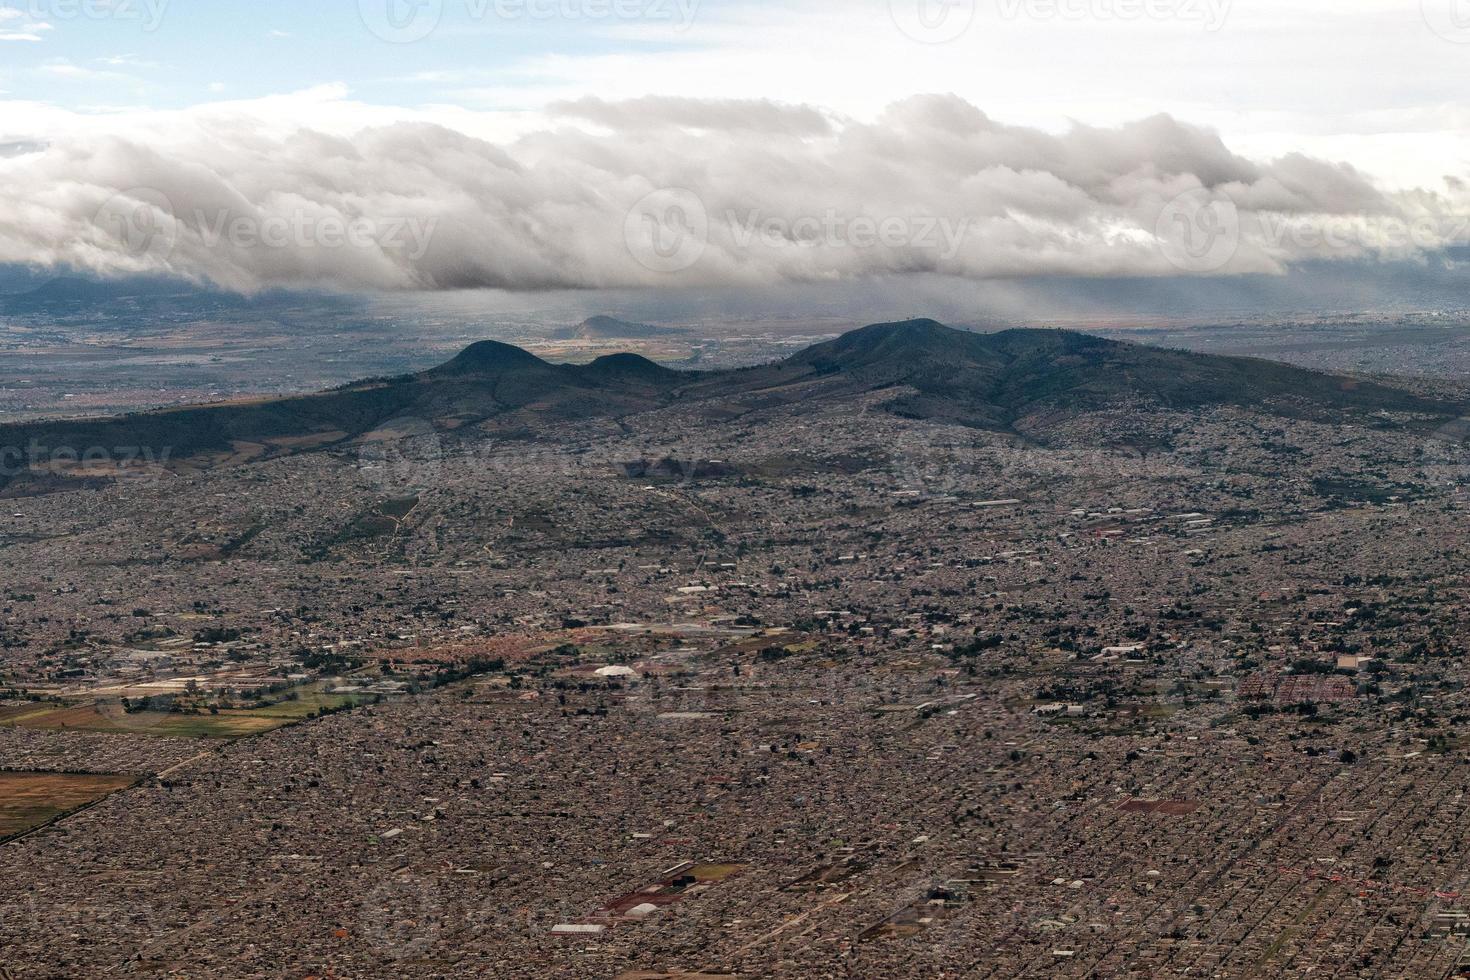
734,490
818,691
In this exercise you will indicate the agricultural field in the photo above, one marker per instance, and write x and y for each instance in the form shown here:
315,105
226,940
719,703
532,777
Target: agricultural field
110,717
29,799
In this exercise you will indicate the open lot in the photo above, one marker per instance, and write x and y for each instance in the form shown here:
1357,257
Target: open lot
110,717
29,799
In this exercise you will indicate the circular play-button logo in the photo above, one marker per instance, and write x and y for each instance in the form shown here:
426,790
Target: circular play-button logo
668,230
140,222
933,21
401,21
1198,232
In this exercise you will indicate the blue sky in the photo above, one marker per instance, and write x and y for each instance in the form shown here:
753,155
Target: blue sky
177,53
1378,82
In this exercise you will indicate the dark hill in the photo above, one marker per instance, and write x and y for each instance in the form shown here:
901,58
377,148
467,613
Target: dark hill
632,367
489,357
488,387
991,380
1041,377
893,347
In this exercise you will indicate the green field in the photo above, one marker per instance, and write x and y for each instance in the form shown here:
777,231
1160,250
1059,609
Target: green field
109,717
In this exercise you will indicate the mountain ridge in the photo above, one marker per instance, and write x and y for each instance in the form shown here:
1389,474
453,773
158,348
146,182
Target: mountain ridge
988,381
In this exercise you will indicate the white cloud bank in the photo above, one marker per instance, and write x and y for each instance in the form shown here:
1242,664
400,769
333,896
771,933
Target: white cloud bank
682,192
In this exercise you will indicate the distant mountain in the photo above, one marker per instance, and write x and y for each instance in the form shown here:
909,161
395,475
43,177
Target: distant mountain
65,294
15,280
143,296
993,381
611,328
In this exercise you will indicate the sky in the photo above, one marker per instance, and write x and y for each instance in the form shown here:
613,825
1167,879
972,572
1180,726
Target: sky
1077,125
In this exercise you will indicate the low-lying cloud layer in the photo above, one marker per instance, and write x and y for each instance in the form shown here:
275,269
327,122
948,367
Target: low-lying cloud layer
680,192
